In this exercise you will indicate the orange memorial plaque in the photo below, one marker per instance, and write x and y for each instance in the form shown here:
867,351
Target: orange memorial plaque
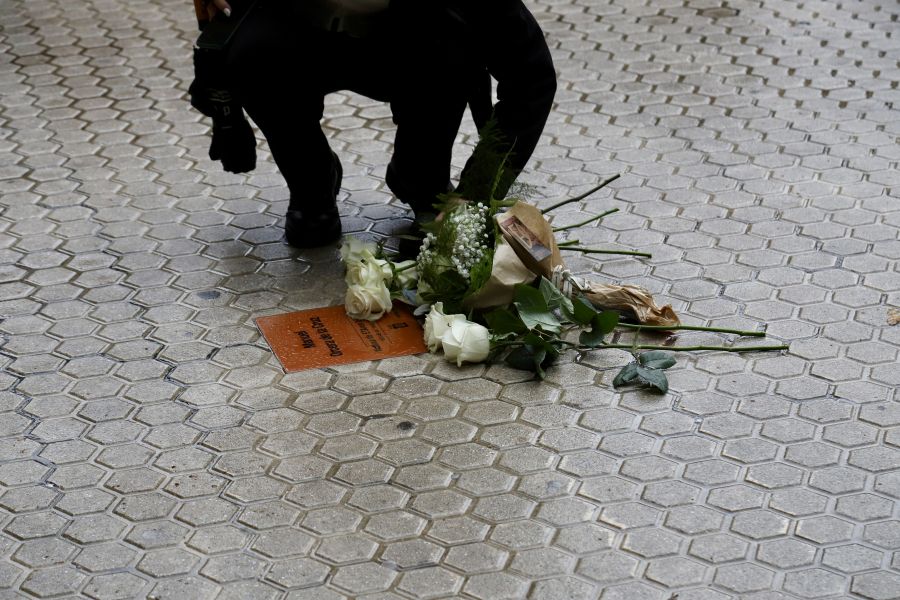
322,337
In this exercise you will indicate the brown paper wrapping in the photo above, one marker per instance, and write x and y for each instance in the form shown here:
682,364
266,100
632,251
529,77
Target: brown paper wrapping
631,300
893,316
507,271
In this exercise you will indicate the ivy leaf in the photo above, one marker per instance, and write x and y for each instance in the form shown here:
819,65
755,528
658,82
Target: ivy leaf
521,358
553,297
601,324
656,359
503,321
533,309
582,311
529,298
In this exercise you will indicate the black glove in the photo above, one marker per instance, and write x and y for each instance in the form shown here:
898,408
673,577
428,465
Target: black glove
233,141
234,144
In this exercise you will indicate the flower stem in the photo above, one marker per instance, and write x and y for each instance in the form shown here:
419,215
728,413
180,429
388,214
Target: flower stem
598,251
693,328
407,267
689,348
566,243
602,184
591,220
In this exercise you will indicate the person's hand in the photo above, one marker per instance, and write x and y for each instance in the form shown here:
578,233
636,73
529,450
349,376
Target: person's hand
213,7
223,6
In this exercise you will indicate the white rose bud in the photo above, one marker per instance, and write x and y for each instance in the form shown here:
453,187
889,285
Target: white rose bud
466,341
352,249
367,303
436,324
380,263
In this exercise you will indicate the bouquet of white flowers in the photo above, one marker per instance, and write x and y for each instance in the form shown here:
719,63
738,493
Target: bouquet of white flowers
492,282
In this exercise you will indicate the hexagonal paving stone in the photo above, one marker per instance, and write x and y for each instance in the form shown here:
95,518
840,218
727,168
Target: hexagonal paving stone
499,586
115,586
476,558
521,535
852,558
607,567
693,520
743,578
814,583
881,585
164,563
181,587
432,582
824,530
884,535
651,543
55,581
411,554
542,562
629,515
864,507
297,573
43,552
718,548
786,554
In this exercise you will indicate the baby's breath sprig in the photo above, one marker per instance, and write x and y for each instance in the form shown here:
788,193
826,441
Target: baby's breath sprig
472,237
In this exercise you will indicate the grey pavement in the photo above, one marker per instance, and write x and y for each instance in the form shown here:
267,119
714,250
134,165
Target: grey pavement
152,447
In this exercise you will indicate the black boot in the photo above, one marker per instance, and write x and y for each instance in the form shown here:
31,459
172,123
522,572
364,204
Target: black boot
422,206
317,224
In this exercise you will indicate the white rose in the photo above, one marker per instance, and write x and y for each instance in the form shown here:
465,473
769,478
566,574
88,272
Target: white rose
466,341
364,273
352,249
368,303
406,274
367,256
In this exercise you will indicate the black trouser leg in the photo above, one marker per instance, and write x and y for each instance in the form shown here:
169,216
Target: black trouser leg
283,90
428,119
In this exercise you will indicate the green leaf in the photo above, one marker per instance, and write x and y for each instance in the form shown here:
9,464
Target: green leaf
601,324
634,373
626,376
533,310
605,321
654,378
656,359
544,354
553,297
503,321
529,298
540,354
582,311
521,358
535,355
